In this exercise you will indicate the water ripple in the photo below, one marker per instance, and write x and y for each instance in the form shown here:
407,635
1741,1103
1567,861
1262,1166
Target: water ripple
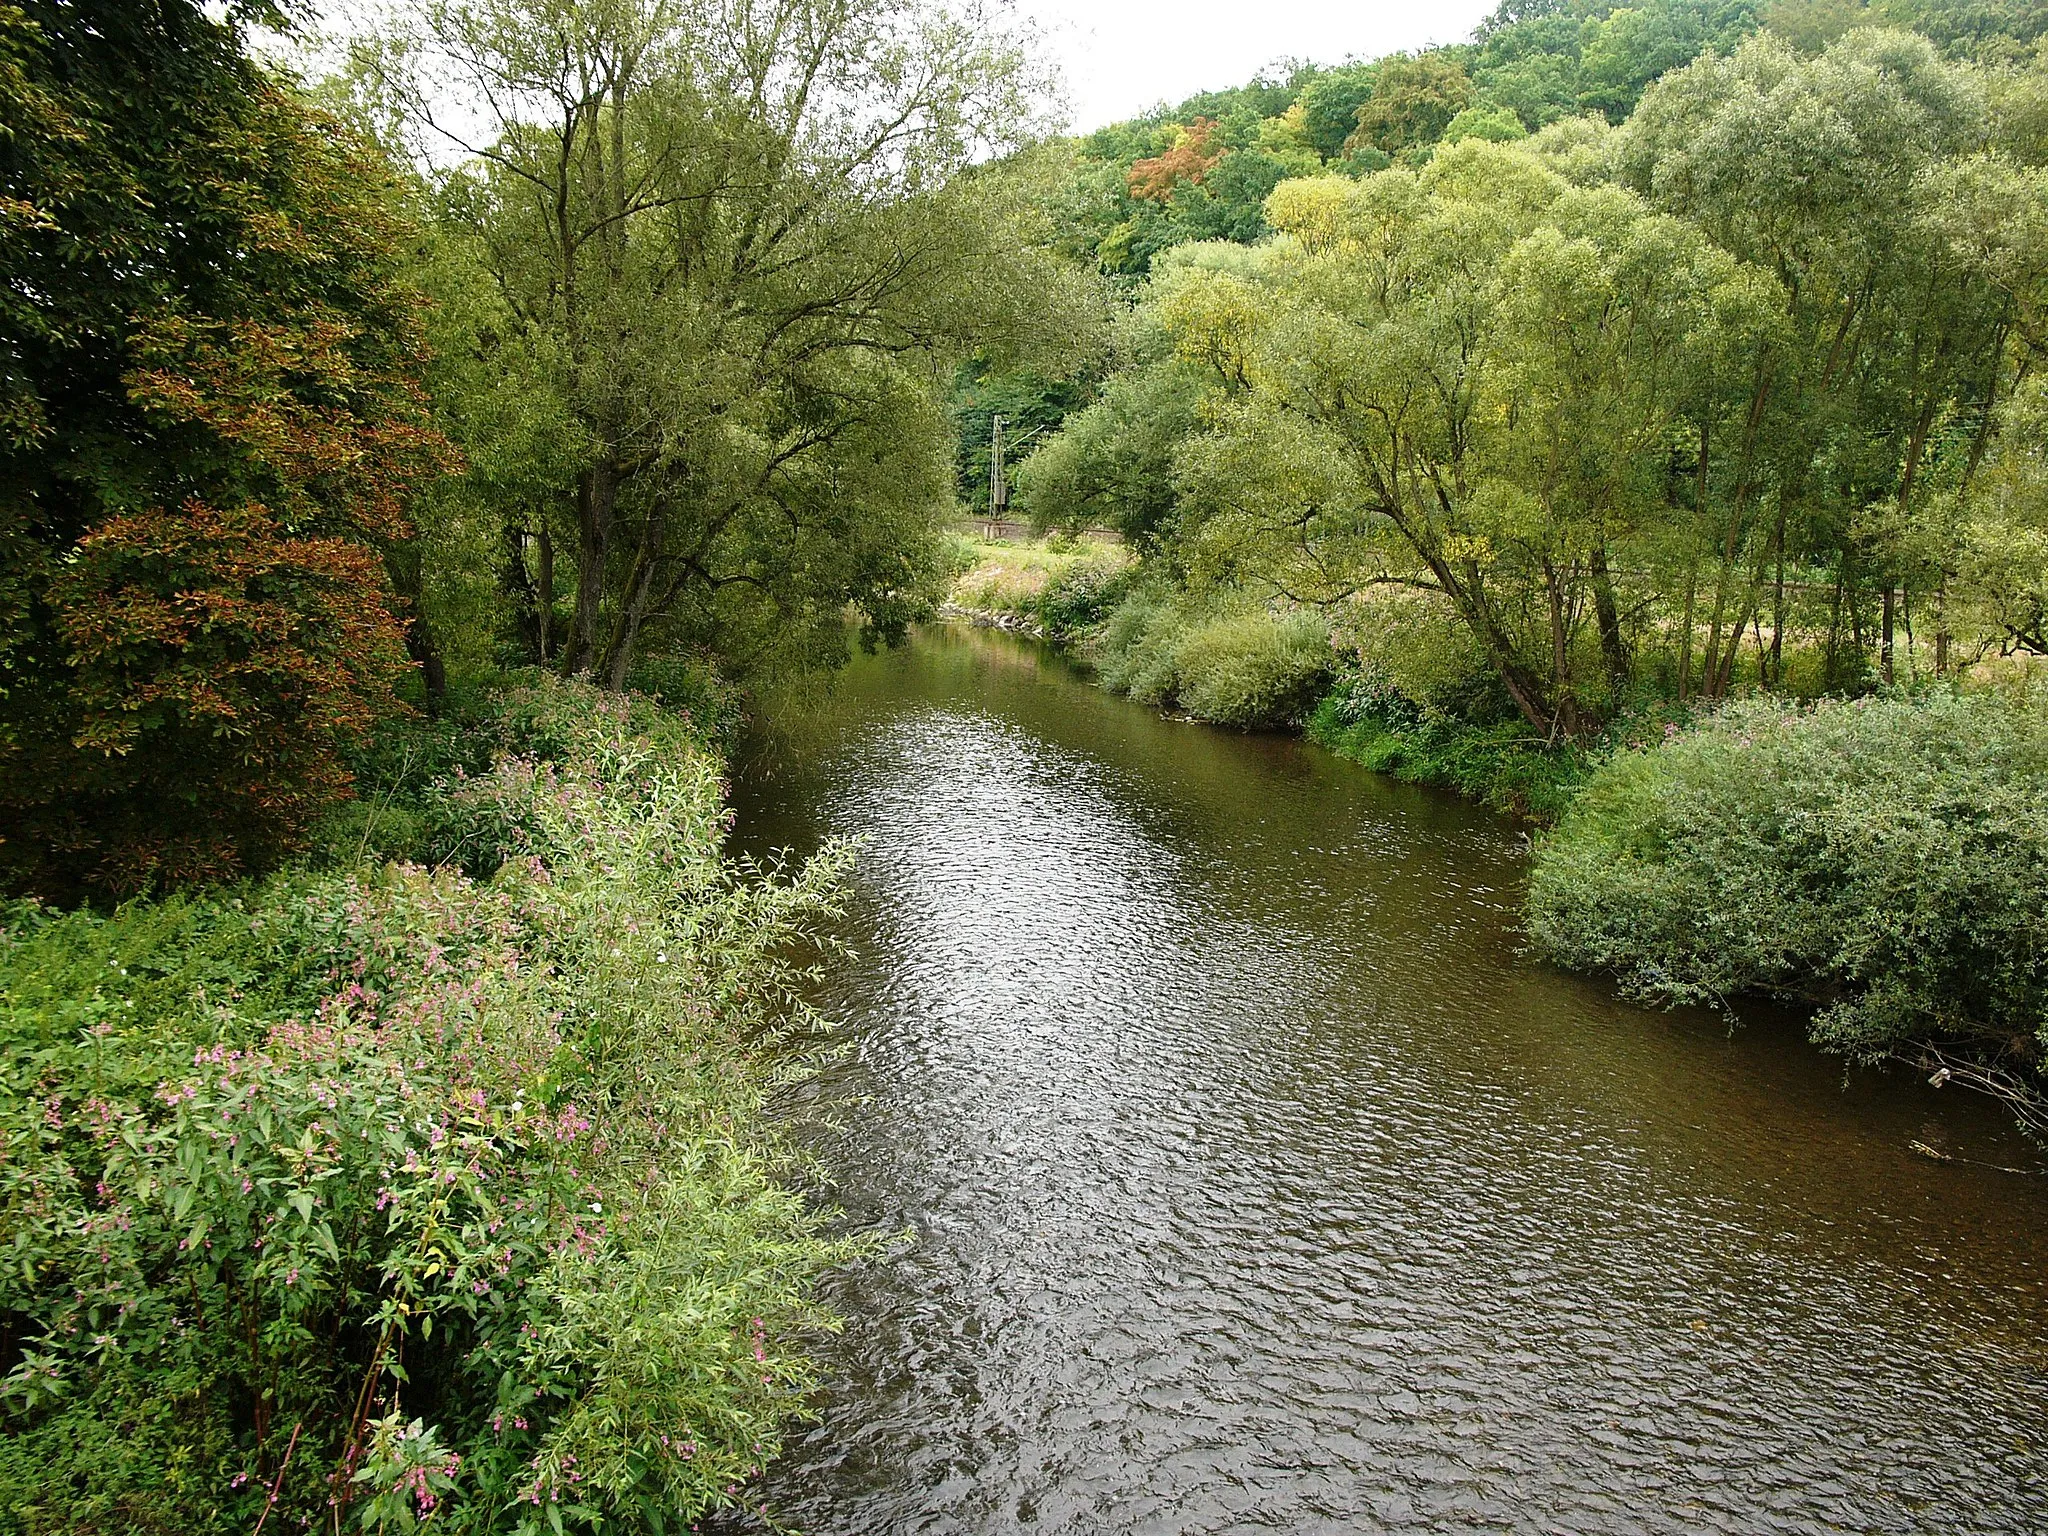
1258,1185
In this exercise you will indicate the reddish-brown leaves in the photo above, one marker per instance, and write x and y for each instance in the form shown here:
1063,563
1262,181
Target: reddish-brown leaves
215,446
1190,159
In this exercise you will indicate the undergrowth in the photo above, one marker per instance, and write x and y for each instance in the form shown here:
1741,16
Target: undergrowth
1503,764
428,1185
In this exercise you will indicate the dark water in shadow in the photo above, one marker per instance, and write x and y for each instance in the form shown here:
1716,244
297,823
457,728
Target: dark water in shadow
1259,1186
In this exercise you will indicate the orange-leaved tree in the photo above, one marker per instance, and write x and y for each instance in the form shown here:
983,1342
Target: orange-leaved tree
210,422
1192,156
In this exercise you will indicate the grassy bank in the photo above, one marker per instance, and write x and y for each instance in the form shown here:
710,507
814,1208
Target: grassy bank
1048,587
1250,666
423,1181
1502,765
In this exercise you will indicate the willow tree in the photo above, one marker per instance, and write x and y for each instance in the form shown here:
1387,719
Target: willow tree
1465,381
739,245
1828,171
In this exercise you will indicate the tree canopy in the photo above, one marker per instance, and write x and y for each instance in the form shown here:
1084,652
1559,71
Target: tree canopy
1755,368
211,418
728,255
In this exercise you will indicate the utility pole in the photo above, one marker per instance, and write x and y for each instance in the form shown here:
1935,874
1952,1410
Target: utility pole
998,492
998,469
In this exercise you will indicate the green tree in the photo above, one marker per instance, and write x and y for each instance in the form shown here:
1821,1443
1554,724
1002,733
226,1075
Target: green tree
1112,463
1498,125
1330,103
1463,382
752,244
1413,100
1821,170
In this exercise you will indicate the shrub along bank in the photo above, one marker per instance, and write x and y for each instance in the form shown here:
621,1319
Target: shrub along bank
1253,666
1884,860
427,1184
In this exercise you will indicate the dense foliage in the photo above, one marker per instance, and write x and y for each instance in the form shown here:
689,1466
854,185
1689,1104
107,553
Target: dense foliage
210,419
1250,668
403,1191
1475,409
706,272
1740,393
1574,382
1885,859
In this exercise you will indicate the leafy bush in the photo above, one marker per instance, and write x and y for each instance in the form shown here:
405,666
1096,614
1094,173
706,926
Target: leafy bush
1885,859
401,1192
1133,651
691,689
1078,598
1502,765
1254,670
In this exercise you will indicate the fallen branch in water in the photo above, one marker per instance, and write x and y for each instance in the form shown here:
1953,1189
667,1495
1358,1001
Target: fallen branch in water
2017,1093
1936,1155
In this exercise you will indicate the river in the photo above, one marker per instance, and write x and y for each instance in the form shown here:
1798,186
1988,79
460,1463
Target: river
1257,1183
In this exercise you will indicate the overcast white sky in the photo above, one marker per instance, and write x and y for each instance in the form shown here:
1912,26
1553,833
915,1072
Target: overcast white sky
1121,56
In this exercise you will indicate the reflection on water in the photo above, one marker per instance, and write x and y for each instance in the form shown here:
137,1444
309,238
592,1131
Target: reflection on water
1259,1185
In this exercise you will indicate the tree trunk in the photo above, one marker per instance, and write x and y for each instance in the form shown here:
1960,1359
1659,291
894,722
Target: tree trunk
544,612
1565,716
625,638
1470,602
402,567
1884,644
1832,653
420,646
1773,671
1744,615
1692,566
516,582
597,496
1915,446
1612,651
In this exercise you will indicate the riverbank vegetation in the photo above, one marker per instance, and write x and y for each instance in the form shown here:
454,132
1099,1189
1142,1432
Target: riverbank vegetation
1883,860
1535,403
424,1180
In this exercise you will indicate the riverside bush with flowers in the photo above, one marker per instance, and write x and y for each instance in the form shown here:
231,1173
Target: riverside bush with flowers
427,1186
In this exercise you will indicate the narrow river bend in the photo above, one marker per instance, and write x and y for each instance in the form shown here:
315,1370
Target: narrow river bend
1259,1185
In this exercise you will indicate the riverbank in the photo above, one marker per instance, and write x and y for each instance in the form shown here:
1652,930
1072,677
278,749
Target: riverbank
1253,670
428,1178
1884,876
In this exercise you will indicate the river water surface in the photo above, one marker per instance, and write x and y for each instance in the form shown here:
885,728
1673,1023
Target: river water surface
1257,1184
